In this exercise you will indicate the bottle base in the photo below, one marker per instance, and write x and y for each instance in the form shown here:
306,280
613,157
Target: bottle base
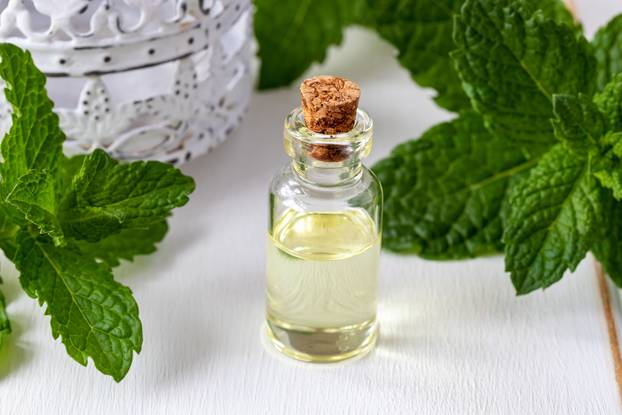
323,345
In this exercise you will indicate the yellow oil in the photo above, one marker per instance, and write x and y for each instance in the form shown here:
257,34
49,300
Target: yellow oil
322,272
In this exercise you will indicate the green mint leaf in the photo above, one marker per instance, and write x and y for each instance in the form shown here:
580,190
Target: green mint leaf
107,196
68,168
512,59
578,122
35,196
609,101
126,244
34,141
445,192
583,127
5,324
94,315
611,143
422,33
553,215
359,12
608,245
421,30
294,34
608,51
609,174
8,232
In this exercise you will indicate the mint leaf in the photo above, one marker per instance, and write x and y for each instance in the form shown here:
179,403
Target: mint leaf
421,30
444,193
68,167
552,220
8,232
48,201
294,34
512,59
608,51
610,173
126,244
5,324
609,101
94,315
107,196
579,122
34,141
35,196
360,13
582,127
608,244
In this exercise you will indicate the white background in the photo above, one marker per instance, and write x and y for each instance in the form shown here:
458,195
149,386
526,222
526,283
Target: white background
454,338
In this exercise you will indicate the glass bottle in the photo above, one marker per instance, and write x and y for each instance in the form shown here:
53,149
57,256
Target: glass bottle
323,247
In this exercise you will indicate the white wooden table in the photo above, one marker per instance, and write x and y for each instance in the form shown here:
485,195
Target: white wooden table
454,338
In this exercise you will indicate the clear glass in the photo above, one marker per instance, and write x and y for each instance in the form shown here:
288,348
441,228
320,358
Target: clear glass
324,244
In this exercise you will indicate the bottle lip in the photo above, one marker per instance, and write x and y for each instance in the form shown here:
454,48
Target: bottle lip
295,128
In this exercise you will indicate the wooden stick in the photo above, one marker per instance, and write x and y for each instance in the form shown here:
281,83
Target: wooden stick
612,331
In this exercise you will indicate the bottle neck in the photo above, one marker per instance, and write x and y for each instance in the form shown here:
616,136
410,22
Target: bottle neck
328,174
327,160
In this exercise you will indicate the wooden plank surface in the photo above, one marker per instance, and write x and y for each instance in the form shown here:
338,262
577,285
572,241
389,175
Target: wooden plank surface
454,338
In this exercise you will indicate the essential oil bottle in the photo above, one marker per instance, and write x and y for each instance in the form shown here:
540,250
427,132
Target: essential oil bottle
325,229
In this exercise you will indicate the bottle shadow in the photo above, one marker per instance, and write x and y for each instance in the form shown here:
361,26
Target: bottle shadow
470,309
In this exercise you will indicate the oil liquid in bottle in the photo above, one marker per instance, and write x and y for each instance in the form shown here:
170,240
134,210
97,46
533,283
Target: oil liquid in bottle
322,273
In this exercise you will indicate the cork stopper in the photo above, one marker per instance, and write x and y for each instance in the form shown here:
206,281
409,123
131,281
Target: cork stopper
329,105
